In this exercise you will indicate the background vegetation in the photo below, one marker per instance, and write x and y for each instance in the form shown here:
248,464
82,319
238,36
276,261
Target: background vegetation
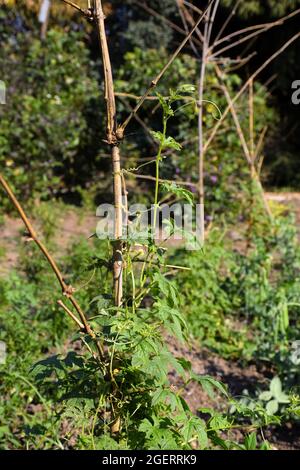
239,298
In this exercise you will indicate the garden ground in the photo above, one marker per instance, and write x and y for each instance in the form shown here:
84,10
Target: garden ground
72,224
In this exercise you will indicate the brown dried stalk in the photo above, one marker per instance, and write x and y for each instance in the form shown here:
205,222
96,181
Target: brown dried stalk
258,28
186,28
208,54
160,180
85,12
113,139
250,154
154,13
204,59
67,290
155,81
227,21
245,86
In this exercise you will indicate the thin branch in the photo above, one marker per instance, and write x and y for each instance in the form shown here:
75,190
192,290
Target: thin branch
234,116
152,178
239,62
249,157
204,59
246,84
240,41
113,139
212,20
78,8
155,81
190,18
262,26
162,18
186,28
66,289
146,129
260,143
193,7
71,314
227,21
251,121
134,97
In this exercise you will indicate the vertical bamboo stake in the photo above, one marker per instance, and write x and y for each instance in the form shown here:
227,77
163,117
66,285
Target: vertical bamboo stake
252,166
250,158
113,141
44,15
251,121
205,46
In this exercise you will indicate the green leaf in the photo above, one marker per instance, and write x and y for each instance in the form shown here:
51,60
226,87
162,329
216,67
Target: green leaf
186,88
166,142
283,398
209,383
272,407
166,105
194,428
158,136
179,191
265,396
165,395
251,441
171,143
218,421
276,387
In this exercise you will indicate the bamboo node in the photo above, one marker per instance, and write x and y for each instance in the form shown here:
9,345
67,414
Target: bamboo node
120,133
69,291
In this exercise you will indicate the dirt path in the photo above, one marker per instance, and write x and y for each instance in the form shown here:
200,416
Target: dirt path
69,227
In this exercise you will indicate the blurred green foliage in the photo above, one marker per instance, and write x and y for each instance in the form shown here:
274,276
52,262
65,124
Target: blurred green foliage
240,296
46,124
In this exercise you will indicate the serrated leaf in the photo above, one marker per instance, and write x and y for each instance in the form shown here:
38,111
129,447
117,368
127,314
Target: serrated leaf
187,365
179,191
166,142
171,143
195,428
218,422
209,383
166,396
158,136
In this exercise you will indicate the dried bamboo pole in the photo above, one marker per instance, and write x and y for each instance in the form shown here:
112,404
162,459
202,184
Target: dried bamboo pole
205,46
113,139
245,86
250,154
67,290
